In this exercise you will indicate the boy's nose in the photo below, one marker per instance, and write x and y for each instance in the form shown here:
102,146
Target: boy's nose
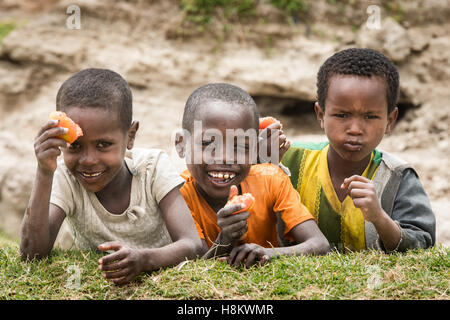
355,127
222,156
88,158
219,153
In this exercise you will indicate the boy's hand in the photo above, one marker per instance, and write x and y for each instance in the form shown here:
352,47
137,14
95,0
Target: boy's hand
250,253
364,196
265,141
232,226
47,144
121,266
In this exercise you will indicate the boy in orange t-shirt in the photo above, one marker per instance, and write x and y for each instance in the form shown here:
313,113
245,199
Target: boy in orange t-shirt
220,165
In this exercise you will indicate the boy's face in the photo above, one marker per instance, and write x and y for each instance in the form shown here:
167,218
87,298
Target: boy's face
97,157
217,171
355,118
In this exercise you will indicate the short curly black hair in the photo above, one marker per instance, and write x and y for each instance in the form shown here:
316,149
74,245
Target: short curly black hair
361,62
225,92
97,88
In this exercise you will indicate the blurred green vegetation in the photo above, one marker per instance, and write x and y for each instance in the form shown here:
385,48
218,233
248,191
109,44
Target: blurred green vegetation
291,7
202,11
5,29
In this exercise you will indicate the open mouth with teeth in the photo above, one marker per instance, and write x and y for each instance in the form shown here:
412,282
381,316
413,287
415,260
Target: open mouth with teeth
221,177
90,176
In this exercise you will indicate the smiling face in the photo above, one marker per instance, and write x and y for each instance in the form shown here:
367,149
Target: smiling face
97,158
355,118
217,170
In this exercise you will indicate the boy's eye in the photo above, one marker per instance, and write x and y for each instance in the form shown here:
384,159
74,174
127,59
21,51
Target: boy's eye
103,144
207,143
74,146
242,147
340,115
371,116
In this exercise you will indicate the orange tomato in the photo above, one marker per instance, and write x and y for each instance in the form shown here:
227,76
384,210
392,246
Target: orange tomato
247,199
64,121
267,121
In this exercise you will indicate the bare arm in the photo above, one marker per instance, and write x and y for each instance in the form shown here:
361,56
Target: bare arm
232,228
42,221
362,191
308,236
125,264
181,227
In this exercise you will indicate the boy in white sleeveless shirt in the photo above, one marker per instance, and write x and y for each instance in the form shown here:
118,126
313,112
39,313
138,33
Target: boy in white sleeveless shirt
114,197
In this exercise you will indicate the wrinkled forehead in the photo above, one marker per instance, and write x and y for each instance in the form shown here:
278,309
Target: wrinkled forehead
357,93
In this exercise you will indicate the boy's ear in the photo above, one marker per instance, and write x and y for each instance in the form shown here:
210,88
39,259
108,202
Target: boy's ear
392,118
132,134
180,143
319,114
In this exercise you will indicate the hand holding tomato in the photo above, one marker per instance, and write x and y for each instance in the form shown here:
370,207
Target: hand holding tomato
74,130
51,137
232,218
270,129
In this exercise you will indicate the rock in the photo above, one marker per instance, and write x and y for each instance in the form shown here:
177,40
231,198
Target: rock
44,46
392,39
13,80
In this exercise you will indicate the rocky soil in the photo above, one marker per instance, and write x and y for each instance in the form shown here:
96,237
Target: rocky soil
164,58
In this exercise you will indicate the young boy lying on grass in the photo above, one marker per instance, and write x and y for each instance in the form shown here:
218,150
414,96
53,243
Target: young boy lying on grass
361,197
115,197
221,124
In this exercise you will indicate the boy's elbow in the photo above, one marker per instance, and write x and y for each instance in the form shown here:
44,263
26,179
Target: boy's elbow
197,248
193,248
325,247
322,246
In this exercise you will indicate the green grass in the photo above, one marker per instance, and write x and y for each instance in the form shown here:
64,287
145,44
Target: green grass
5,29
418,274
202,11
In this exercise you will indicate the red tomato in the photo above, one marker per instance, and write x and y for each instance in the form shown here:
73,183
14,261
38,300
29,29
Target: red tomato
267,121
247,199
64,121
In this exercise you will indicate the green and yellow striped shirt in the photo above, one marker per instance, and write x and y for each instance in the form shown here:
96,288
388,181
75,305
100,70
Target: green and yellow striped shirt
341,222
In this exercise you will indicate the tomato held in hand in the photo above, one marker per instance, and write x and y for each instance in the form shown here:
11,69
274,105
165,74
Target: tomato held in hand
64,121
267,121
247,199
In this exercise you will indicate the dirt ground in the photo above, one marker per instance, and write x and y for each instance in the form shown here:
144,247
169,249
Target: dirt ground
276,62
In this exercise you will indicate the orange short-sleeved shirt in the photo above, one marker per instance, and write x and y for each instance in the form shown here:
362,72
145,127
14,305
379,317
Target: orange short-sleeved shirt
273,193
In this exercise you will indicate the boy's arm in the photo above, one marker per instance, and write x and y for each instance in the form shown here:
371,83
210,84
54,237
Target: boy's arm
413,214
180,224
412,224
126,263
299,223
232,228
309,239
42,220
364,196
307,234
